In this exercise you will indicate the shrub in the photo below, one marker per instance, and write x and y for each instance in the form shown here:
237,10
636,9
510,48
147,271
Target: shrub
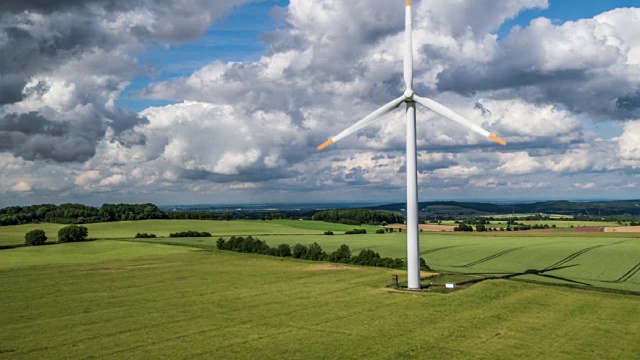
342,254
145,236
464,227
380,231
328,232
190,233
366,257
315,252
73,233
299,251
355,231
283,250
35,237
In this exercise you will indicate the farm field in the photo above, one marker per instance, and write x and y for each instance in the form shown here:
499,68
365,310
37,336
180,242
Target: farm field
602,260
84,252
10,235
625,229
215,304
591,259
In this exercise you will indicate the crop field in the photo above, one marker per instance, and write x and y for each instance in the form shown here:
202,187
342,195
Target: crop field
177,302
598,260
11,235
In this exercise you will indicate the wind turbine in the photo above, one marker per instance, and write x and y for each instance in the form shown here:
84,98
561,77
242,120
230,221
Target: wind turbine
410,98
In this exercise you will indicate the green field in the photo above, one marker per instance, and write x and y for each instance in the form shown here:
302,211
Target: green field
600,260
10,235
597,259
172,302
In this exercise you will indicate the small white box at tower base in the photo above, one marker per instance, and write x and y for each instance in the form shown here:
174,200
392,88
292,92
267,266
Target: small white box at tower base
450,285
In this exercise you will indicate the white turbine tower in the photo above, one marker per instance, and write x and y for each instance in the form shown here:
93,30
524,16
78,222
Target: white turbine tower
410,98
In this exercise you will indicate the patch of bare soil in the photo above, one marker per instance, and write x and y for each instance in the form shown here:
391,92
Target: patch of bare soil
622,229
324,267
588,229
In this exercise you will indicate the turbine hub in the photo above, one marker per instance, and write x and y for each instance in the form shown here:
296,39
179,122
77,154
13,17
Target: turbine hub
408,95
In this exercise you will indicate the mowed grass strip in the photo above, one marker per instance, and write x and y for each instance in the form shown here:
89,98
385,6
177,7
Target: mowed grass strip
210,304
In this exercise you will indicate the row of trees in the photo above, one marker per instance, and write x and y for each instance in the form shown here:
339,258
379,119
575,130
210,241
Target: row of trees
359,216
190,233
313,252
519,227
78,213
71,233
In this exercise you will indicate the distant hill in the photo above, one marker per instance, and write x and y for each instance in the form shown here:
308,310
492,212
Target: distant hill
561,207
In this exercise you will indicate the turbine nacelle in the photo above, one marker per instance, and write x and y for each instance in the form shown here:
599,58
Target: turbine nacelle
408,95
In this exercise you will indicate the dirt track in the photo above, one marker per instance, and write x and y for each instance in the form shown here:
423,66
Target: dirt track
622,229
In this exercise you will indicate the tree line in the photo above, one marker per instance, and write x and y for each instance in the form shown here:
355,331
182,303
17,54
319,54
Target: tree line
83,214
359,216
313,252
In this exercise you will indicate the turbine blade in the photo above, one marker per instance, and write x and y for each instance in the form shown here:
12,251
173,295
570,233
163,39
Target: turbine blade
408,46
450,114
384,109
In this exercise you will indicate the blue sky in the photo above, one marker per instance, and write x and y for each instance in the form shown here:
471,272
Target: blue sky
180,102
237,37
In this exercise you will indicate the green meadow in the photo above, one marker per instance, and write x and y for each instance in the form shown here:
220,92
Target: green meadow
599,260
128,300
119,297
11,235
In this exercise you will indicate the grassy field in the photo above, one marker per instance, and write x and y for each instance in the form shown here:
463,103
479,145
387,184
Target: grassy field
600,260
10,235
79,253
603,260
211,304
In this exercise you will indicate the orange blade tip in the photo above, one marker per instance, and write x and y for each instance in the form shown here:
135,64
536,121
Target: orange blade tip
497,139
325,144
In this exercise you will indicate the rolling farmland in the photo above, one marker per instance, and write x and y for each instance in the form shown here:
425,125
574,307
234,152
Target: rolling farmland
179,303
601,260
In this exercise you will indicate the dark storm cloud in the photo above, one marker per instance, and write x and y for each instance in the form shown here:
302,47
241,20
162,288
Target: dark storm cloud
49,6
11,86
630,102
40,5
33,137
